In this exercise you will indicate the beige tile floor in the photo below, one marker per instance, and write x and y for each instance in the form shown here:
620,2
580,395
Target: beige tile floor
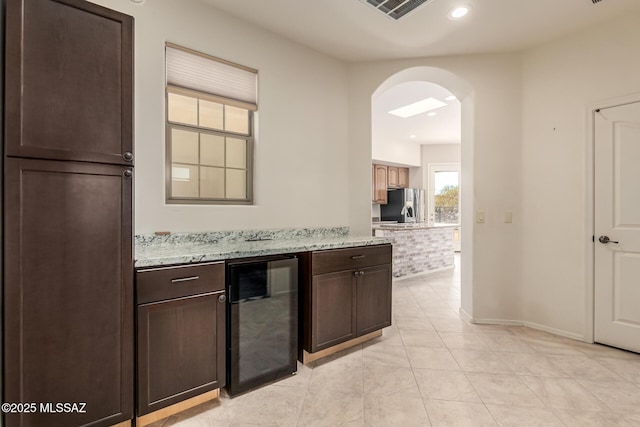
432,368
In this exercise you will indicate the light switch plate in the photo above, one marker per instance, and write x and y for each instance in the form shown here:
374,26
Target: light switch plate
480,217
508,217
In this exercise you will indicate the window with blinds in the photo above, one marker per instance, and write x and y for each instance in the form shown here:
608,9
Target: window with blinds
210,108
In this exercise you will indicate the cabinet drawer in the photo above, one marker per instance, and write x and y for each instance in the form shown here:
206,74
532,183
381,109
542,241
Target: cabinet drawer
163,283
351,258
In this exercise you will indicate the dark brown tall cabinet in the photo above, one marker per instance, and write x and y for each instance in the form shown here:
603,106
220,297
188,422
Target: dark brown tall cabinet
68,190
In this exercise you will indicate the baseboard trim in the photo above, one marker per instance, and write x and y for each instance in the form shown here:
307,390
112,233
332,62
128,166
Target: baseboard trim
468,318
532,325
554,331
465,315
498,322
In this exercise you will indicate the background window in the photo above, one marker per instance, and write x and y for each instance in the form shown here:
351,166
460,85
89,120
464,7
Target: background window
209,134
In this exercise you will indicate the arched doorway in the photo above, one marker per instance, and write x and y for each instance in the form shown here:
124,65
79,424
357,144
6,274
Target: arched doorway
463,92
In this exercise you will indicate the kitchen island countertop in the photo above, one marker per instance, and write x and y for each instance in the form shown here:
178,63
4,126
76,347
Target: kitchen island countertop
150,252
409,225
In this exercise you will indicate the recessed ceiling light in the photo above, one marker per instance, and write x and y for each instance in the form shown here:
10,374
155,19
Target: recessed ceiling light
137,1
417,108
431,114
458,12
412,136
450,98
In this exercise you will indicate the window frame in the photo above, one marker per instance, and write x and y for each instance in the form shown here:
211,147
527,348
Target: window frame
249,138
432,169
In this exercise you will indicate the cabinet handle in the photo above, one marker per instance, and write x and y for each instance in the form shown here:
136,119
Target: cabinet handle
128,156
185,279
355,273
358,256
222,298
128,173
362,273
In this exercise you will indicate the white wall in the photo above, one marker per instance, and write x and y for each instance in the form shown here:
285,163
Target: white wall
441,153
524,147
560,80
301,145
438,153
489,87
405,153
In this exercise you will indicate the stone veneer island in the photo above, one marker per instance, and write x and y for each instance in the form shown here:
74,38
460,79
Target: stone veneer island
418,248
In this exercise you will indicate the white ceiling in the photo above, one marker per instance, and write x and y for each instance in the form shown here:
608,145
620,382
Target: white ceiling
354,31
443,128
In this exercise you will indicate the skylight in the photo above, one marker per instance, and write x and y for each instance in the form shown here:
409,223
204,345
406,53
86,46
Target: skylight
418,108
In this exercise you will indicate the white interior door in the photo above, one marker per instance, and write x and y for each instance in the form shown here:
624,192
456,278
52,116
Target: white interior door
617,226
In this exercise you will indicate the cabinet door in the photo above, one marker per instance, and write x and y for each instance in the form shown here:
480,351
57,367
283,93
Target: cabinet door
181,349
69,81
373,183
403,177
68,291
392,179
332,309
380,184
373,310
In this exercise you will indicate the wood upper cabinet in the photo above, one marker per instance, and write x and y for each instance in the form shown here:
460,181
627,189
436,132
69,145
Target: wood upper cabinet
68,81
68,291
392,178
398,177
380,184
387,177
348,294
403,177
180,333
373,183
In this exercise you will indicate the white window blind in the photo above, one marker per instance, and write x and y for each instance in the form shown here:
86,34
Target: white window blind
192,70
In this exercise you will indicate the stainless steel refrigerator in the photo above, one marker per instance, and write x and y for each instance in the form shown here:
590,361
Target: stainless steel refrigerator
404,205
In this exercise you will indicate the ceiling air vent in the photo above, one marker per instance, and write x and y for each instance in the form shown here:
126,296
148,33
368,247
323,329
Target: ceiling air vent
396,9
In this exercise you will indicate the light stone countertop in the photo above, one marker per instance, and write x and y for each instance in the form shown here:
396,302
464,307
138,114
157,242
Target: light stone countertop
151,254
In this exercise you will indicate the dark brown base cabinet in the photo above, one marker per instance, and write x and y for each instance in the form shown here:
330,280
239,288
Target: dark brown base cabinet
180,333
349,295
373,290
333,308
